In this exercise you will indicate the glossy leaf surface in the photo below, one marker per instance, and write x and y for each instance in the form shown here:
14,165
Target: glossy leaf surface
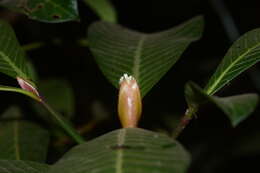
52,11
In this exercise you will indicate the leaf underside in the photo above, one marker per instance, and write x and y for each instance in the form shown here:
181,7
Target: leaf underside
147,57
244,53
126,150
22,140
18,166
52,11
237,108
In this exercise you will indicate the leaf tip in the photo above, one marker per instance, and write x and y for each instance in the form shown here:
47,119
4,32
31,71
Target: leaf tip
254,99
238,107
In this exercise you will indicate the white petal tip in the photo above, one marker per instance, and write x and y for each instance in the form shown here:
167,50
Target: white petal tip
126,77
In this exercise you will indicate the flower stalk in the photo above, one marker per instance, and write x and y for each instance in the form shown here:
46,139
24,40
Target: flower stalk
67,127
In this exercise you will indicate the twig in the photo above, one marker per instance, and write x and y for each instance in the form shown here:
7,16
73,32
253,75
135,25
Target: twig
185,120
226,19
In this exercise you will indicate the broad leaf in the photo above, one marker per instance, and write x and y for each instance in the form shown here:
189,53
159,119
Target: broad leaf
22,140
129,150
45,10
59,94
147,57
12,57
104,9
18,166
244,53
237,108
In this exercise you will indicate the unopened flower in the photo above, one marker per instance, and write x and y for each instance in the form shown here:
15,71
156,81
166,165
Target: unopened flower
26,85
129,102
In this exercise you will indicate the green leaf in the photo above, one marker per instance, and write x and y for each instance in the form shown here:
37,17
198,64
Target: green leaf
22,140
12,57
13,63
237,108
147,57
244,53
129,150
104,9
59,94
52,11
21,91
33,72
18,166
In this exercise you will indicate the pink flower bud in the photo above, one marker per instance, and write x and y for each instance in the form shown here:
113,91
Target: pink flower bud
129,102
24,84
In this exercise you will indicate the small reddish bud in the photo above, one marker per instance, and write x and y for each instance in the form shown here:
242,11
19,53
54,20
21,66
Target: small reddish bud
26,85
129,102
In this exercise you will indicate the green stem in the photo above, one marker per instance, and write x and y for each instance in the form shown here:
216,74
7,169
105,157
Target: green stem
21,91
185,120
65,125
32,46
59,118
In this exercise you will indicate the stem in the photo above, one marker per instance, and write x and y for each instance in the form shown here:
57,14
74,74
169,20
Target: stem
64,124
226,19
31,91
32,46
185,120
81,130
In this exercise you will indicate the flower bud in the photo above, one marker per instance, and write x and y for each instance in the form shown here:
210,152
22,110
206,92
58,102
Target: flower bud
129,102
24,84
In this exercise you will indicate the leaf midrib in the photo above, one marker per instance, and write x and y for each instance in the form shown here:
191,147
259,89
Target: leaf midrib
119,158
137,57
13,66
211,91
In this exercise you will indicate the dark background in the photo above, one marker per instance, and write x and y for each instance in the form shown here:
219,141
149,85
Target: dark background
214,144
